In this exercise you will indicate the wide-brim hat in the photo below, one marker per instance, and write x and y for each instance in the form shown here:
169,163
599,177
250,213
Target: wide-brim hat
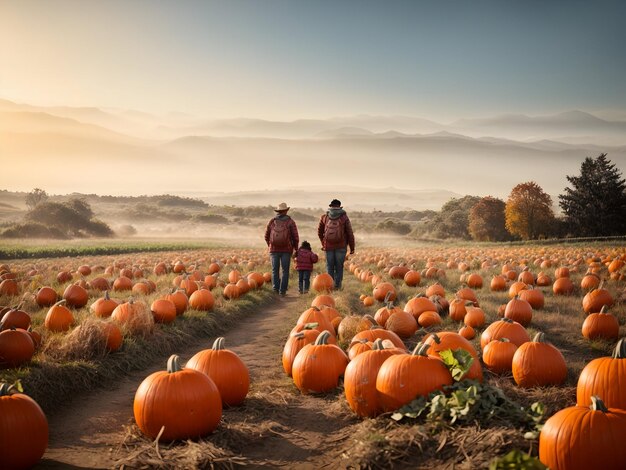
282,207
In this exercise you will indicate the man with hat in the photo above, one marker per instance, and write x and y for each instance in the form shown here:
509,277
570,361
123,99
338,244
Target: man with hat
281,236
335,233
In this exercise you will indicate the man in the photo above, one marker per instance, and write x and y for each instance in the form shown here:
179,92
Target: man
281,236
335,233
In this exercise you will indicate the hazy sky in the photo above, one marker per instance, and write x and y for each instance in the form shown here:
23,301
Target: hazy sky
289,59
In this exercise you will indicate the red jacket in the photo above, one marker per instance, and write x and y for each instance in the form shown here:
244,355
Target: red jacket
294,239
348,235
305,259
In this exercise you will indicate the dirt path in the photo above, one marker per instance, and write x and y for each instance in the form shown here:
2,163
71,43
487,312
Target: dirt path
277,426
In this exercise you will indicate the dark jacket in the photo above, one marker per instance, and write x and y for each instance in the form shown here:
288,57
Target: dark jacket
293,232
348,235
305,259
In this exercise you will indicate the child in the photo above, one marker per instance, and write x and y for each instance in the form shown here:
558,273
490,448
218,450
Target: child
305,259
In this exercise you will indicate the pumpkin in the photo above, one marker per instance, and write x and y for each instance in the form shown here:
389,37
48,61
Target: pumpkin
527,278
590,281
412,278
322,283
9,287
14,318
402,323
475,317
467,332
467,294
64,276
99,283
163,311
519,311
185,402
122,283
377,332
23,429
227,371
295,342
384,292
46,296
59,317
360,379
404,377
474,281
498,283
534,297
357,347
504,328
435,289
561,272
537,363
134,316
443,340
75,296
516,288
543,280
179,299
584,437
601,325
315,315
323,299
202,299
16,348
104,306
563,286
458,309
602,377
318,366
594,300
428,319
498,355
231,291
418,305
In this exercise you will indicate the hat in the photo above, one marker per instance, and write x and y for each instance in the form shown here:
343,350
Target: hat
335,203
282,207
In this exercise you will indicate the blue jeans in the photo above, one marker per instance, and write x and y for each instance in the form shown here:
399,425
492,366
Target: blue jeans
304,280
280,261
334,264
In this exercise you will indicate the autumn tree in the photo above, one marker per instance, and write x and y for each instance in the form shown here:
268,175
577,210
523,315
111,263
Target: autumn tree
36,196
595,205
529,212
486,220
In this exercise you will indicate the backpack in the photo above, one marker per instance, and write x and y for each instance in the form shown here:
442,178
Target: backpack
280,236
334,233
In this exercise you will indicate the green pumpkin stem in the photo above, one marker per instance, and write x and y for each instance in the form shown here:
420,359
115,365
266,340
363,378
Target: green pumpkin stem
539,338
311,326
505,340
421,349
322,338
436,337
603,309
218,344
378,345
173,364
620,350
106,295
371,319
598,405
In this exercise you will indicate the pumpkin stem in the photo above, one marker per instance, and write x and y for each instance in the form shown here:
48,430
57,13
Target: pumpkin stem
539,338
386,301
173,364
598,405
620,350
218,344
60,302
508,320
322,338
298,335
436,337
106,295
311,326
505,340
421,349
371,319
9,389
378,345
603,309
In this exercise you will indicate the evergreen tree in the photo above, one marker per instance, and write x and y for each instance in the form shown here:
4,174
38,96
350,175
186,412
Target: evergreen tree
596,203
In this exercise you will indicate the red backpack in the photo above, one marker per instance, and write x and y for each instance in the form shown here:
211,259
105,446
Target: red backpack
334,233
280,236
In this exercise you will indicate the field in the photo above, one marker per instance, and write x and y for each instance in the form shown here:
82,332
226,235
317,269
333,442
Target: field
86,390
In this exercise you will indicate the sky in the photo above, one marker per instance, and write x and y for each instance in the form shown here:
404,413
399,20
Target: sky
292,59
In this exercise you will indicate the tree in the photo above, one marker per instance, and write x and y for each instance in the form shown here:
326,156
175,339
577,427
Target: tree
529,212
596,203
36,196
486,220
453,219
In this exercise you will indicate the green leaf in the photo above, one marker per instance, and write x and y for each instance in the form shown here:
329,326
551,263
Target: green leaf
458,361
517,460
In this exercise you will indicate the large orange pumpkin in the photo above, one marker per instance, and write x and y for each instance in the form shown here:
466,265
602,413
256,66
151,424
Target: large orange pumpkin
537,363
602,377
185,402
318,366
226,369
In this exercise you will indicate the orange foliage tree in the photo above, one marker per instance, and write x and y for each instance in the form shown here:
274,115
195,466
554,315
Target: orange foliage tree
528,211
486,220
